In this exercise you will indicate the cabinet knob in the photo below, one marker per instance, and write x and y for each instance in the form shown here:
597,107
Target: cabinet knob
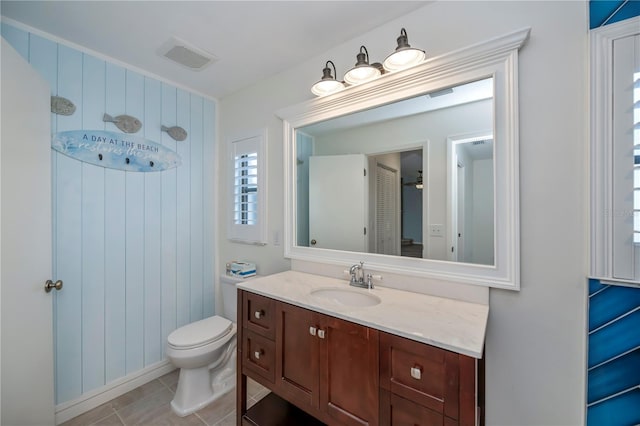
259,314
416,372
321,334
257,354
312,331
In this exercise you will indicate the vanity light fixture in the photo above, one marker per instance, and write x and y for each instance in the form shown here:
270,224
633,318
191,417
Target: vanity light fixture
362,71
404,56
327,84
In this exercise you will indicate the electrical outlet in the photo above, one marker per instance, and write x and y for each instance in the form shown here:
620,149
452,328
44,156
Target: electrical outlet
436,230
276,238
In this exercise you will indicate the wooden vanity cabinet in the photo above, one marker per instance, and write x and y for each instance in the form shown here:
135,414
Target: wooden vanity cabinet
341,373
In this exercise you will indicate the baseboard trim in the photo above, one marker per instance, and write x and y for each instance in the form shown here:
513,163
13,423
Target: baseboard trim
97,397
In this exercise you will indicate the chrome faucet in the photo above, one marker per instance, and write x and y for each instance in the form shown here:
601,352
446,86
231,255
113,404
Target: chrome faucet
357,276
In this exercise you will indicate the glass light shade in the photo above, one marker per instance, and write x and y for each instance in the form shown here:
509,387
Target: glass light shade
404,56
401,59
361,74
327,84
419,185
326,87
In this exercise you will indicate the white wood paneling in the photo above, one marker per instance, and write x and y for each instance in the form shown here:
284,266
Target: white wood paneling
135,250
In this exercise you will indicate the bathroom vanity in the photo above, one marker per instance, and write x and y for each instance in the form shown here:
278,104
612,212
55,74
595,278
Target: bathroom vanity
334,354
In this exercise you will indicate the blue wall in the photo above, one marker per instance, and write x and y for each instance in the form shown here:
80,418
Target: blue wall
135,250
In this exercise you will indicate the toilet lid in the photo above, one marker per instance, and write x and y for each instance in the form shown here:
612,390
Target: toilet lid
200,333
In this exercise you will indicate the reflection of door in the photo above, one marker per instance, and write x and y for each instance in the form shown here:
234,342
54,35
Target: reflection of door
338,202
27,333
387,211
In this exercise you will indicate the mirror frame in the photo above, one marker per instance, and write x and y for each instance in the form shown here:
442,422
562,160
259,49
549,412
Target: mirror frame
497,58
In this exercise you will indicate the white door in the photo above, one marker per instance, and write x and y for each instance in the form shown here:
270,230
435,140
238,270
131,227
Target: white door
25,253
338,194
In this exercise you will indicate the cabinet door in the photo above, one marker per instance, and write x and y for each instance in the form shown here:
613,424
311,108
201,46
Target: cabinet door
348,371
297,355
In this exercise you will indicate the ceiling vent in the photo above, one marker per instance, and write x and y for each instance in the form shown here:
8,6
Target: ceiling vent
186,55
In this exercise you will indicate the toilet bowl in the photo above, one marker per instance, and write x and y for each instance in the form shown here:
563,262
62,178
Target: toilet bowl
205,353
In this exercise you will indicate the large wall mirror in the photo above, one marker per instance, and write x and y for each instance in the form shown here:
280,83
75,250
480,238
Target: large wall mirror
414,173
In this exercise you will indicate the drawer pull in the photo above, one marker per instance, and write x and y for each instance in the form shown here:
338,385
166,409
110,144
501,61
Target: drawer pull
416,373
257,354
313,331
321,334
259,314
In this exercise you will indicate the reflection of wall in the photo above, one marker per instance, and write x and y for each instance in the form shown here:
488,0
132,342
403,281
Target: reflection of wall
481,213
304,149
434,126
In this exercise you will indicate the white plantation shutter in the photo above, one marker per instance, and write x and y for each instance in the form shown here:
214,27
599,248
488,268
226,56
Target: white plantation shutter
615,151
248,187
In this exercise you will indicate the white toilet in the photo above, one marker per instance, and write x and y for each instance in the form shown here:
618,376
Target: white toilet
205,353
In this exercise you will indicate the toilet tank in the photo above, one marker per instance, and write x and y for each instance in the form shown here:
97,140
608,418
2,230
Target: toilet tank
230,296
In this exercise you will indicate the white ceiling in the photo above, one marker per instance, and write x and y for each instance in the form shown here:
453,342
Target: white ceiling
251,39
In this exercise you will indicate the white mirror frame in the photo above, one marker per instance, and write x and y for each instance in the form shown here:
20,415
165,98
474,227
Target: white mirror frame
497,58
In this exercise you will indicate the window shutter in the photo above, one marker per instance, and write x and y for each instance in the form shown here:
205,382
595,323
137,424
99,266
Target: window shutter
247,221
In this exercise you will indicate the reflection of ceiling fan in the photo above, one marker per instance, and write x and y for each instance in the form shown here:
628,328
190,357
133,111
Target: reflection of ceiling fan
418,183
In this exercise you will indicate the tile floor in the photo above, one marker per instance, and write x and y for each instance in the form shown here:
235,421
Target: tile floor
149,404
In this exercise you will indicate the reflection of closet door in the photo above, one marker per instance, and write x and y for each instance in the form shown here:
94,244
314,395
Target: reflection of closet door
387,211
337,202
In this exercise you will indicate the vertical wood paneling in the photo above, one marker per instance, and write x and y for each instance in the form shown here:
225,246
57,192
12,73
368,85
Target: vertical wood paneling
183,215
135,250
169,221
93,244
69,238
153,349
209,116
115,247
134,232
196,206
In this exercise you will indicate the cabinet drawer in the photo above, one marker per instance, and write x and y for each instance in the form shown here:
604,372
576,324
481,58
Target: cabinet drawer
420,373
402,412
259,314
258,355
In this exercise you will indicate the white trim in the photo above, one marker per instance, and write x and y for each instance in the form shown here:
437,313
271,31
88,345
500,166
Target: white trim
497,58
90,400
601,183
99,55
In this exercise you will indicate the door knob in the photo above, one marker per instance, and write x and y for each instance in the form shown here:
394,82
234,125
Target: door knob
50,285
313,242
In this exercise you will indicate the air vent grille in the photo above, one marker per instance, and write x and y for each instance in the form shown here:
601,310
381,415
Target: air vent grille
185,54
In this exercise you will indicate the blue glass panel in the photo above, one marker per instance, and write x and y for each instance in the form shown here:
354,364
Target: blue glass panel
617,338
611,303
600,11
594,285
619,411
614,377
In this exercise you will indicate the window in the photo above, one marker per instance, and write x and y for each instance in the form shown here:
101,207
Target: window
247,222
615,149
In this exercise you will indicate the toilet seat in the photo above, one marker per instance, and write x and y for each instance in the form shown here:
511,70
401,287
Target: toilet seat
200,333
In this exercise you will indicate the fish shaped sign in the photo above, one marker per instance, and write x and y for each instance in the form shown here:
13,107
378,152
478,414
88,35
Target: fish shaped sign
115,150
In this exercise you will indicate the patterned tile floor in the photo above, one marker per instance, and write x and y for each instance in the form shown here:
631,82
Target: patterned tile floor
149,404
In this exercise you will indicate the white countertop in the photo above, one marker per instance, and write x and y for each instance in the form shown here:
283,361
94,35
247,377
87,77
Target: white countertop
446,323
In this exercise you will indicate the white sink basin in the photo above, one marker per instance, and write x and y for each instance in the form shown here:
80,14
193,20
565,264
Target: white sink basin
347,296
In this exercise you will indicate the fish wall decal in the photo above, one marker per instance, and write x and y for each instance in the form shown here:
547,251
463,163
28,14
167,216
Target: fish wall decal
126,123
62,106
177,133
